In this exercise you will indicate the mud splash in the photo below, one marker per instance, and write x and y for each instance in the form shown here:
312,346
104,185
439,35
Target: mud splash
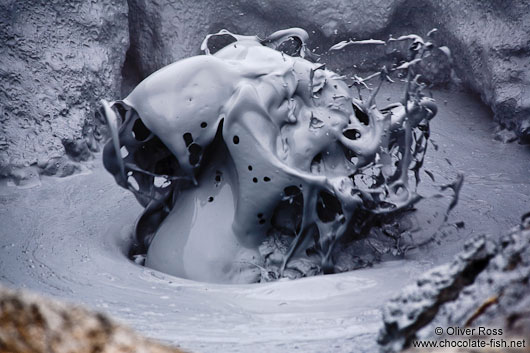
228,150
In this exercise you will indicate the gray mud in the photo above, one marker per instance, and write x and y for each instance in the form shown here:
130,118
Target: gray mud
69,238
265,146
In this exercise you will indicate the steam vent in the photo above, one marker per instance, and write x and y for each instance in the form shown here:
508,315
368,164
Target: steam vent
249,176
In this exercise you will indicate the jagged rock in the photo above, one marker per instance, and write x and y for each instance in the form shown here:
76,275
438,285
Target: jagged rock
491,49
58,59
30,323
487,284
488,40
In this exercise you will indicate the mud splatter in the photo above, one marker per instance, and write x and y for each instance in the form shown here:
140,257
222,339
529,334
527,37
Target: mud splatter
227,149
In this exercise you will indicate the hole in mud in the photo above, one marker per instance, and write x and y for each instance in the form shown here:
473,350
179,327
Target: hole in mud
140,131
236,139
188,138
316,164
255,180
328,207
250,167
195,152
124,152
160,181
399,190
266,179
204,125
350,155
386,205
287,216
352,134
167,166
360,115
217,43
155,157
364,180
290,47
133,183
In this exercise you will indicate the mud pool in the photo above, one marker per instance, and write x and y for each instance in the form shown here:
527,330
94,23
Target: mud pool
69,238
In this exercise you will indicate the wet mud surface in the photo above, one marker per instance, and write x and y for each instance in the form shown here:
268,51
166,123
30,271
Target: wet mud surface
69,238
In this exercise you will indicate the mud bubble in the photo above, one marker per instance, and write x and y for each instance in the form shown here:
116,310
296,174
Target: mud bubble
253,164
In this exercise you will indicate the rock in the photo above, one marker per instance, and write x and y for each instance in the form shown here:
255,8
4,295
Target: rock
76,149
60,166
488,40
491,49
504,135
61,57
164,31
486,285
26,177
30,323
58,59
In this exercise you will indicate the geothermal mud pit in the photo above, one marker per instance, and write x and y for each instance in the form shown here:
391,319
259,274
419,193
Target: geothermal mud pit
71,238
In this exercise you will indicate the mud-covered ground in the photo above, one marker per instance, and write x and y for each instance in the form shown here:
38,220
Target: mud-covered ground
68,238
